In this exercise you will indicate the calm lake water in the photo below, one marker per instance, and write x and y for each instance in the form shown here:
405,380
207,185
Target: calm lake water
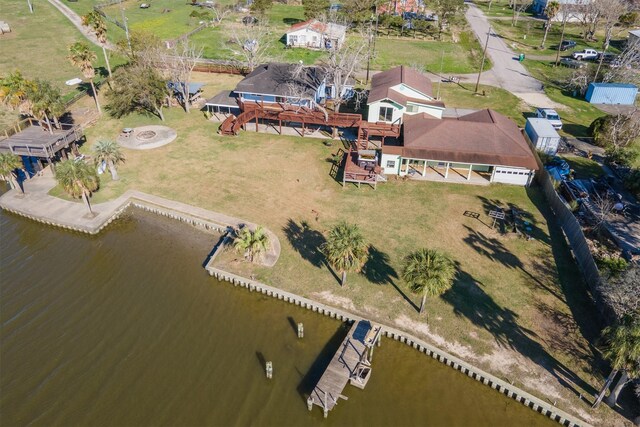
127,329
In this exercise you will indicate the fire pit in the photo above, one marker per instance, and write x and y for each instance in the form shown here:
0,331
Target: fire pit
147,137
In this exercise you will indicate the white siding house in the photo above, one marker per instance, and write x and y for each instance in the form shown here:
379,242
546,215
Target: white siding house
316,35
401,91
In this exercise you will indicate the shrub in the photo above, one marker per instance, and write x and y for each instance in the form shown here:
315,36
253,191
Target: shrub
632,182
614,265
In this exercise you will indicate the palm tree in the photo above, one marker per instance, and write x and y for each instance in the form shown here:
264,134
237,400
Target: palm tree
45,102
108,151
345,249
14,89
551,11
78,179
251,243
622,350
81,56
99,27
429,272
8,164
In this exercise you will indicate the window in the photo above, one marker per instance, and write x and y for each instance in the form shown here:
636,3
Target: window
281,99
293,40
391,164
412,108
386,114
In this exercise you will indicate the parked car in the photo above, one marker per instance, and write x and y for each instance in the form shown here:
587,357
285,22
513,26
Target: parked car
567,44
572,63
551,115
607,58
585,54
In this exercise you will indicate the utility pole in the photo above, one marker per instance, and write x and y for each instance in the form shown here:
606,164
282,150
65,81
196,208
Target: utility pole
126,28
564,24
440,81
484,55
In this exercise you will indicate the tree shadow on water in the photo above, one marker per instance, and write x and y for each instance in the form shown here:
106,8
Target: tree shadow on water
307,242
469,300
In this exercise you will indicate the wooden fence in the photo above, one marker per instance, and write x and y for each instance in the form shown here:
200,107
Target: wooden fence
578,243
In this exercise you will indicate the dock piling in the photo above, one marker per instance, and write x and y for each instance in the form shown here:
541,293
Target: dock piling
300,330
310,403
269,369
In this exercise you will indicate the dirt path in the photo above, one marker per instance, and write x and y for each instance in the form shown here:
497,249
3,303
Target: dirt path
77,21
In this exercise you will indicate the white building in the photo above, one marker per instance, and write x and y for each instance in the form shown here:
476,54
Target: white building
481,148
316,35
400,91
542,135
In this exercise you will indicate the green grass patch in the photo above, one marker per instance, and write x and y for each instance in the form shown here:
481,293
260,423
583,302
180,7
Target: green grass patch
38,45
463,96
583,167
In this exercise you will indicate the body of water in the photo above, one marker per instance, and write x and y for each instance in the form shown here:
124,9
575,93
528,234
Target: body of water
127,329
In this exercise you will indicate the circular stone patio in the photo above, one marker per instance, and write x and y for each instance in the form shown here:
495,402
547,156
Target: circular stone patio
148,137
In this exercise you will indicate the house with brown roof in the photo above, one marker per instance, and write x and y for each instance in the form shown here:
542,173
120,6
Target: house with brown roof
398,92
316,35
480,147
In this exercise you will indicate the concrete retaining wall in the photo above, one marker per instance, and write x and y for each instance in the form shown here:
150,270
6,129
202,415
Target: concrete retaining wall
503,387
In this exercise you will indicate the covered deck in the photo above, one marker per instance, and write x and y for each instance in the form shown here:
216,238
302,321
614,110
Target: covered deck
222,105
440,171
35,140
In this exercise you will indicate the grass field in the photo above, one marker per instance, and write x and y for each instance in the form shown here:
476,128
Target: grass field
37,44
517,308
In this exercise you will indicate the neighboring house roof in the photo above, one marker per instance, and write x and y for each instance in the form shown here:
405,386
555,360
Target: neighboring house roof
282,79
382,84
193,87
635,33
226,98
484,137
330,29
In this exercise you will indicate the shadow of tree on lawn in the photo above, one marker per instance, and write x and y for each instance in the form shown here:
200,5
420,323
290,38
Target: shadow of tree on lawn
469,300
307,242
378,270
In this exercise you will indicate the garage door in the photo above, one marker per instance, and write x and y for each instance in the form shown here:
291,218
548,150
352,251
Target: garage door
511,176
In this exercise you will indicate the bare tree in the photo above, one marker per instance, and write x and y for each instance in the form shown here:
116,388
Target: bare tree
589,18
179,61
610,12
621,293
518,8
600,207
251,43
579,80
619,130
626,66
219,12
566,13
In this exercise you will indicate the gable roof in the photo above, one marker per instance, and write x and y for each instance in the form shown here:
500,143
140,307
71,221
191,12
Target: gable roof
382,83
281,79
483,137
329,28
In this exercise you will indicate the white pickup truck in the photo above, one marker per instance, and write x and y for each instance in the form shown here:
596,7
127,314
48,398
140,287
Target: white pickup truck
585,54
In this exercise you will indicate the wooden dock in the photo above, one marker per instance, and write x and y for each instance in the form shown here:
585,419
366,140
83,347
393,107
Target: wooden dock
351,363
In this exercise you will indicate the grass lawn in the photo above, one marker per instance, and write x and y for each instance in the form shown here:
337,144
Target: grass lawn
497,9
29,46
583,167
460,58
517,308
462,96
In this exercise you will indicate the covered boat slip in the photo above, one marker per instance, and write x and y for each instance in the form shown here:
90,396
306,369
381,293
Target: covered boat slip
34,140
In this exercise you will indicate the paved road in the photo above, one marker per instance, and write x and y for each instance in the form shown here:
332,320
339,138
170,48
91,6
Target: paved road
507,72
77,21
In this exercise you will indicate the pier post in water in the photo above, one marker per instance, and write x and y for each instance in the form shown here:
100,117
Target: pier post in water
300,330
269,369
310,403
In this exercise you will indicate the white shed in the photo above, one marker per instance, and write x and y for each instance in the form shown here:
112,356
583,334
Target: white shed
542,135
315,34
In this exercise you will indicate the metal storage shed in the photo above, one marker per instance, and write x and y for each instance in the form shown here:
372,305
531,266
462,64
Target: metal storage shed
611,93
542,135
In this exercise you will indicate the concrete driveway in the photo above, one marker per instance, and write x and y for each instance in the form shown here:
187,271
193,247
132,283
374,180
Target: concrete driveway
507,72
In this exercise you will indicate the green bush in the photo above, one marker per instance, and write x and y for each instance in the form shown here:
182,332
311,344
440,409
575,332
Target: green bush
614,265
621,156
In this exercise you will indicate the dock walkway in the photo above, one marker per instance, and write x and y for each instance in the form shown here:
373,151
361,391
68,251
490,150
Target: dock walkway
352,362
